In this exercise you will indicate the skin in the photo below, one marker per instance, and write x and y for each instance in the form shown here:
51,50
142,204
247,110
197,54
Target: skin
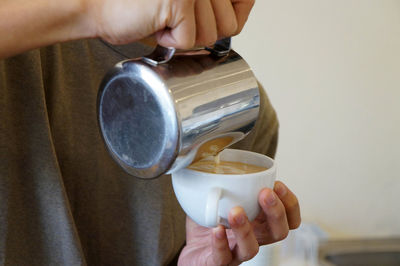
218,246
26,25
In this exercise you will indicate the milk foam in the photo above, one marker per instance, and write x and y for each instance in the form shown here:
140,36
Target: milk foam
217,166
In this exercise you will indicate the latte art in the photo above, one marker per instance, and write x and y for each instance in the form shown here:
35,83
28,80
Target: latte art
225,167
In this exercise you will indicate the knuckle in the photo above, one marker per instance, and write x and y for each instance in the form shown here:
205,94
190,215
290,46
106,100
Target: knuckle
228,30
202,42
277,215
225,260
238,29
249,254
233,28
296,224
212,39
220,248
264,241
292,206
281,235
209,39
246,233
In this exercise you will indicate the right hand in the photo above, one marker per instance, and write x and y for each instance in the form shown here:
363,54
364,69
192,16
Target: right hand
219,246
174,23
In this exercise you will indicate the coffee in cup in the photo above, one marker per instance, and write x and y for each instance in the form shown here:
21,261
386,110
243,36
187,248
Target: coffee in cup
225,167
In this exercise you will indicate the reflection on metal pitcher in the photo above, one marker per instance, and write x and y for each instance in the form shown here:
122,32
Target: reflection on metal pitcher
156,118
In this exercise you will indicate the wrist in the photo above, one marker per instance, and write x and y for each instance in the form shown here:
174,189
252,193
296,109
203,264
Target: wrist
78,24
26,25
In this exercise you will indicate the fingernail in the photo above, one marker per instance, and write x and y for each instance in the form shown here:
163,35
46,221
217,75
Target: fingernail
240,219
219,232
237,217
271,199
280,189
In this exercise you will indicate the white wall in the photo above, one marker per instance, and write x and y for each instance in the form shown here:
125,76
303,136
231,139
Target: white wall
332,71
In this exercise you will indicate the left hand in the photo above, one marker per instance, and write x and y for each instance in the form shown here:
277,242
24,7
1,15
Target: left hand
218,246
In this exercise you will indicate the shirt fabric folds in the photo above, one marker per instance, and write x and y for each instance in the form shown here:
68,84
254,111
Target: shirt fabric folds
63,200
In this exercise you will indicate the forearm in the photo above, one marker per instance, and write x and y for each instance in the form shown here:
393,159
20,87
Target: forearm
27,24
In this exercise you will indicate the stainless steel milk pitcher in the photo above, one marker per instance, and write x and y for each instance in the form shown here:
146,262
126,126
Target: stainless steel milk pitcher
159,113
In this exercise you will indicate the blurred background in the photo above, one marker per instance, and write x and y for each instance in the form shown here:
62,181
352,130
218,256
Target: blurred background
332,71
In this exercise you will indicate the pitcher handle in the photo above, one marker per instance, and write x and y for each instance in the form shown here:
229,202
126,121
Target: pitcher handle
162,55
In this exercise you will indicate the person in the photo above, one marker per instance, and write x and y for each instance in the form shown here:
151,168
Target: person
63,200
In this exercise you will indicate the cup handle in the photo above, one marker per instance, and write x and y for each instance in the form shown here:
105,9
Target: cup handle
212,218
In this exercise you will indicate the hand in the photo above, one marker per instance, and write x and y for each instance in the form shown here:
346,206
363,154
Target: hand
175,23
218,246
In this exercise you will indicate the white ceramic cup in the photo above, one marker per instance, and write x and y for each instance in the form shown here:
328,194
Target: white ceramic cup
207,198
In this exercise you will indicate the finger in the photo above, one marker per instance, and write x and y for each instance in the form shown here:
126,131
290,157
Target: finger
246,242
180,28
291,204
225,17
206,27
221,253
242,9
275,215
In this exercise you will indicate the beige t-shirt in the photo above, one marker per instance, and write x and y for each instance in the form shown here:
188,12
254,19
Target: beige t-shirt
63,200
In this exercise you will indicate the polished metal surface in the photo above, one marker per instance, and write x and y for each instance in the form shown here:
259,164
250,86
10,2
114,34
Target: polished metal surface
160,55
156,118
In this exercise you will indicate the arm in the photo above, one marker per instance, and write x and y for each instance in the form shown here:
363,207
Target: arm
26,24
